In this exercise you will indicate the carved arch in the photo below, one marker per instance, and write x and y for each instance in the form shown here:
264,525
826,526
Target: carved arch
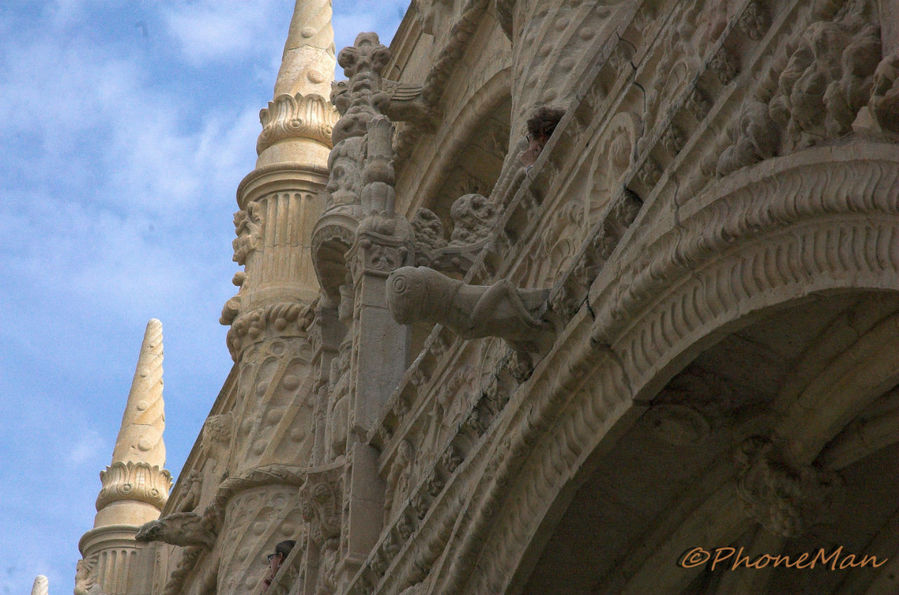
816,222
489,101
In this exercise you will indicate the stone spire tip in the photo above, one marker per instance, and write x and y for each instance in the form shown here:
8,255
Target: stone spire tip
140,436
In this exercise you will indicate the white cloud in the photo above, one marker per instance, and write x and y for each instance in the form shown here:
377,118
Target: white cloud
88,446
217,30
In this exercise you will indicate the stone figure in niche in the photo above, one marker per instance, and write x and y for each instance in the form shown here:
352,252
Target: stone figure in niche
520,316
540,127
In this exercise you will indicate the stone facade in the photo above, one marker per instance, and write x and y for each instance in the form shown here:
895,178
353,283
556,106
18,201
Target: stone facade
671,335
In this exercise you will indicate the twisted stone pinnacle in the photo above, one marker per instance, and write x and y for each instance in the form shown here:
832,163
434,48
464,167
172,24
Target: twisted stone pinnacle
140,436
307,65
41,585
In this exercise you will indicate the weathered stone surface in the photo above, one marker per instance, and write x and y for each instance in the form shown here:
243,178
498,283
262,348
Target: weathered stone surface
675,328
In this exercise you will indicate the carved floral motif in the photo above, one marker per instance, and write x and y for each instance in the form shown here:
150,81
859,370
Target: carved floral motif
296,116
134,481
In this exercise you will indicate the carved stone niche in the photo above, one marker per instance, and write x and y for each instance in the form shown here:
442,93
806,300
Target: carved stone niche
519,316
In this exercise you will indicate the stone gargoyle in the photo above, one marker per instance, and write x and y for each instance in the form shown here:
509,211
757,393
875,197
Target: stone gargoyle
519,316
180,528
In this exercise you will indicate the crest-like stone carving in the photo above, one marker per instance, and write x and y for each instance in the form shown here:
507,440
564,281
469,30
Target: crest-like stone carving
296,116
362,63
501,310
134,481
786,499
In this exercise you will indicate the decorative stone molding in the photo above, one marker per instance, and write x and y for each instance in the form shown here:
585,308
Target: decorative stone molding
501,310
291,475
756,201
785,499
289,319
296,116
182,529
134,481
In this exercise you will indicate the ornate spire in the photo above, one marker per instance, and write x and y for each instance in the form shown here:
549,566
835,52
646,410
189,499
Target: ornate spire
136,474
300,110
135,486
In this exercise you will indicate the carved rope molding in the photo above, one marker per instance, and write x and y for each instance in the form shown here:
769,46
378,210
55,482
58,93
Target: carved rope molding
494,546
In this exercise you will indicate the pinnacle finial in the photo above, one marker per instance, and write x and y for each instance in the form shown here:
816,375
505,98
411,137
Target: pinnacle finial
140,437
41,585
307,65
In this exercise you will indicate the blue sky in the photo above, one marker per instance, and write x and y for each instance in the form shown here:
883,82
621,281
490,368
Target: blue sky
125,127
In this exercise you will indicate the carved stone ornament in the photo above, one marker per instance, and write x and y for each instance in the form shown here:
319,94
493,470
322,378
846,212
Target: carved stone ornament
785,499
216,433
296,116
134,481
474,218
248,227
278,320
500,310
86,577
382,244
321,496
362,63
884,103
182,529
